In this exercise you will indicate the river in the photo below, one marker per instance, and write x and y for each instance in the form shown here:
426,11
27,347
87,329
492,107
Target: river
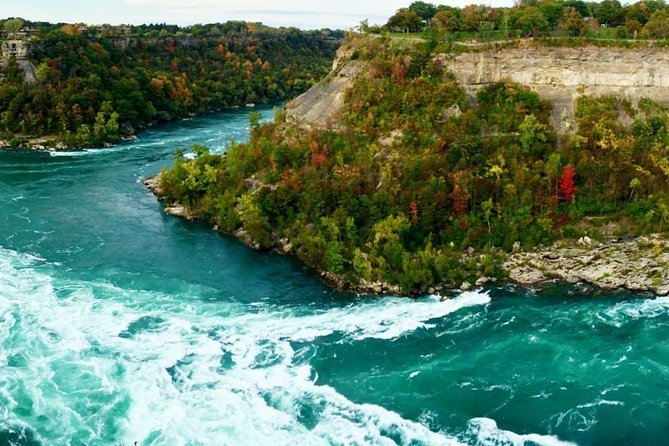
120,324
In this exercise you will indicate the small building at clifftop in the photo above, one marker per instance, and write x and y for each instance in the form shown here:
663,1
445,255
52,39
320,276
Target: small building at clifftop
16,45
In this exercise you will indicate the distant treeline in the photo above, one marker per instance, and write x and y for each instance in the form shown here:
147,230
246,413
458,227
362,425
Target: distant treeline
95,83
644,19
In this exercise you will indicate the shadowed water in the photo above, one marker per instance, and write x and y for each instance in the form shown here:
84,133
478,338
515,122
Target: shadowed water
121,324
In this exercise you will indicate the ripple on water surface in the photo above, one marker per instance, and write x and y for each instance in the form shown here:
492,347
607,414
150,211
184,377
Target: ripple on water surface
102,364
124,325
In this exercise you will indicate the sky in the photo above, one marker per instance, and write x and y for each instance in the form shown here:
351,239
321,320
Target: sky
306,14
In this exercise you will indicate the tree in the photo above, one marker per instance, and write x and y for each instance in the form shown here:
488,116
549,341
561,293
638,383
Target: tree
472,15
404,20
255,118
635,184
530,20
459,195
423,10
552,170
532,132
633,27
580,6
70,30
553,11
487,207
446,20
642,11
609,12
567,188
657,26
12,26
572,22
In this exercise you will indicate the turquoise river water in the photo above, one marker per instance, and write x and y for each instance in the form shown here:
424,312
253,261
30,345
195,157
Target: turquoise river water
119,324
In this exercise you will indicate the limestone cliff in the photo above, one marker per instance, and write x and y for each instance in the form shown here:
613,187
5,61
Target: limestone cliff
322,104
558,74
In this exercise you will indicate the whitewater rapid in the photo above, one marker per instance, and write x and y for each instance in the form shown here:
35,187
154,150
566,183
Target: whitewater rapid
97,361
119,324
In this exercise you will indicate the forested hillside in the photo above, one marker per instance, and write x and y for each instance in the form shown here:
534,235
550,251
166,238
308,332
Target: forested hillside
420,175
97,84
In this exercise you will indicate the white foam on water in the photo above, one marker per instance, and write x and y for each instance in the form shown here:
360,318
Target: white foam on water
95,151
100,365
488,434
382,319
633,309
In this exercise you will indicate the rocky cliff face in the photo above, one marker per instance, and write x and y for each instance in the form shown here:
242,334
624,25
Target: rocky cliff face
561,75
323,103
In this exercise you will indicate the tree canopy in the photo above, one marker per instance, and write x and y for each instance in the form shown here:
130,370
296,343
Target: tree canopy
12,26
95,85
420,174
645,19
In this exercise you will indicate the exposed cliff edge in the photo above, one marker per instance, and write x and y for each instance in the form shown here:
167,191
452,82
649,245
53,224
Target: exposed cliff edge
561,75
322,105
558,74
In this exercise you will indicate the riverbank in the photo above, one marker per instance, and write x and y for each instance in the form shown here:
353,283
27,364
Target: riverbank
51,145
281,246
636,264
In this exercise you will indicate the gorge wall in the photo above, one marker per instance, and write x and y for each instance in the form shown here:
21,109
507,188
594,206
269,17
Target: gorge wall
322,104
558,74
561,75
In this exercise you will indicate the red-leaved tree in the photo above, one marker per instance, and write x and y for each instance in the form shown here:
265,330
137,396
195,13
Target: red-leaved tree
413,208
567,188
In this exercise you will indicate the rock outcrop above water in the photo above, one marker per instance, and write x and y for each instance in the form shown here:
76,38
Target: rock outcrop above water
174,209
639,264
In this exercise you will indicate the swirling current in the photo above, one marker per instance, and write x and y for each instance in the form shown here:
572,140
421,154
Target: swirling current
120,325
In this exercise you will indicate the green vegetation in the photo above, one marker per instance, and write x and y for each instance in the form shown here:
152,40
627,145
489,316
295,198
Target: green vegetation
608,19
95,85
420,176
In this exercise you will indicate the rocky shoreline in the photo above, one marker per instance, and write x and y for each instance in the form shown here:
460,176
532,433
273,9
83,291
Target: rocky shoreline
281,246
637,264
47,145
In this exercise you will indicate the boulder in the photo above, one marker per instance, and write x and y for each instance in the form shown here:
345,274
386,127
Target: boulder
481,281
585,241
179,210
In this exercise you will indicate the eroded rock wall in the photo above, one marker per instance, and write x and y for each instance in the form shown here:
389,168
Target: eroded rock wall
561,75
322,104
558,74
